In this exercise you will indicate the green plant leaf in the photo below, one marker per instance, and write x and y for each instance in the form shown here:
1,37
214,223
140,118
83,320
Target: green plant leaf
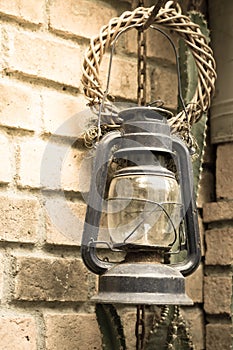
110,327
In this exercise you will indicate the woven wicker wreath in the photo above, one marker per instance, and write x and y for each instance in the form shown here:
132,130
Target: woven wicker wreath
169,17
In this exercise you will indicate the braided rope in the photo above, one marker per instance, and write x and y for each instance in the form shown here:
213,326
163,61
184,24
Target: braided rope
168,17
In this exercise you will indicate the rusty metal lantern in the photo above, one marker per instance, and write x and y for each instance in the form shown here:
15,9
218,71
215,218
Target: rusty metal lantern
141,231
143,183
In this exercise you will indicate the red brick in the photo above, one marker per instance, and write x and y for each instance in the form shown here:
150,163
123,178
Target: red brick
74,16
24,10
18,332
219,243
217,211
41,57
72,331
19,106
19,219
224,171
218,336
50,279
217,294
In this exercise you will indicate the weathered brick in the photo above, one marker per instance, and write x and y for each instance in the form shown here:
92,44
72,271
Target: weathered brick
1,275
74,16
65,115
39,56
123,82
54,166
3,50
163,84
217,211
65,229
31,149
219,243
224,171
73,177
72,331
194,319
6,171
24,10
50,279
18,333
202,233
19,107
217,294
128,319
194,285
19,219
218,336
157,45
209,156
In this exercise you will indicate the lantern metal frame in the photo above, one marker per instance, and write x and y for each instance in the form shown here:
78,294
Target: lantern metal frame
152,132
151,141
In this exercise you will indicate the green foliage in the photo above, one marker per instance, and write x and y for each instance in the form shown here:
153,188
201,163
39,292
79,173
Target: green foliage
170,332
189,79
110,327
158,338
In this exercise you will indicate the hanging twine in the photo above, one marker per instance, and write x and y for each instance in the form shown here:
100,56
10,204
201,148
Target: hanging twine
169,17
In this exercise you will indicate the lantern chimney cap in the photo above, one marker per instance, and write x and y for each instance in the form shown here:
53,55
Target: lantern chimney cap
145,113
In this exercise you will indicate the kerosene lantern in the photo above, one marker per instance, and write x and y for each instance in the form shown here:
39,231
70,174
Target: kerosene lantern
142,186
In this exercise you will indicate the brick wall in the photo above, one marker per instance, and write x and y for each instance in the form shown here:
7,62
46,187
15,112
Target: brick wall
44,287
217,214
218,217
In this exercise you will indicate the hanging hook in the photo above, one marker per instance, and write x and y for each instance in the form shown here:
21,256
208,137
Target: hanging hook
158,5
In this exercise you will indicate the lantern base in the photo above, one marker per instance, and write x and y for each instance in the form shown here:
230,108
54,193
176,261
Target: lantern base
140,283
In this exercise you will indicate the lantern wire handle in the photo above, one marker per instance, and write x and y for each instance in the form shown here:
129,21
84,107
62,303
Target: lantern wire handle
109,74
150,20
180,96
177,68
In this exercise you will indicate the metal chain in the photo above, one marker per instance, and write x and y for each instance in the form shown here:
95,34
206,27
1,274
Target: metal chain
141,100
140,327
141,94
